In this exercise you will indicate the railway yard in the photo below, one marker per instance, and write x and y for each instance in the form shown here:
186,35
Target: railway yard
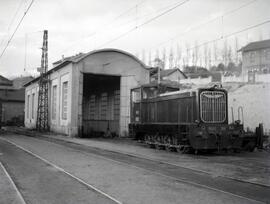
45,167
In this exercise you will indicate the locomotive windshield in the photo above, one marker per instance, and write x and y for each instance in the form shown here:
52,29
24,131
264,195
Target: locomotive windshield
150,92
136,95
213,106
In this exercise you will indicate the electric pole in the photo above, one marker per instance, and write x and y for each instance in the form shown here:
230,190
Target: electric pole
42,111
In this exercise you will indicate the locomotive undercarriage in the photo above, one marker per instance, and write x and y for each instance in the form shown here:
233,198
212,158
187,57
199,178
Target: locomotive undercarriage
182,138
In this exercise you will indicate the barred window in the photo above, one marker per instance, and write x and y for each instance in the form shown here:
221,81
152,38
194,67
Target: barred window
64,100
33,106
28,106
54,99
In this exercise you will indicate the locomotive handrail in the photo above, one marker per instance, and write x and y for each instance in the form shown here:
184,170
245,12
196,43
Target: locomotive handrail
232,114
240,108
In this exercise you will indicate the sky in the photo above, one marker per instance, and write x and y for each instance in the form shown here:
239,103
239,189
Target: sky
141,27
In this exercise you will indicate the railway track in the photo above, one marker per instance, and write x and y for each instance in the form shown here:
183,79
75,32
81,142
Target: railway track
250,191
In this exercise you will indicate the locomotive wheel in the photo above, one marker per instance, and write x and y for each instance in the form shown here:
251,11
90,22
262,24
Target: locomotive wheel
168,148
180,149
157,146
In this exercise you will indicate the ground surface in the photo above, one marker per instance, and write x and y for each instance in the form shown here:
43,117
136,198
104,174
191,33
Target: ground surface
129,179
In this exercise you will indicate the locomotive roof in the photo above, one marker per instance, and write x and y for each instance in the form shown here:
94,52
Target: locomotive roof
164,83
179,92
192,90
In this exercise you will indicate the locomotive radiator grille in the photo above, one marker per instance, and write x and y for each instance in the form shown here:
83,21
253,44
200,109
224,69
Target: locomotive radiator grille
213,106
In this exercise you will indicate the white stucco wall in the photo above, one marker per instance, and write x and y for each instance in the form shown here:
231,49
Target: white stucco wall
58,124
131,72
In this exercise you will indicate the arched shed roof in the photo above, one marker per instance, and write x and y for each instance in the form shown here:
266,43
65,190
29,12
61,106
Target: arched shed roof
77,58
81,56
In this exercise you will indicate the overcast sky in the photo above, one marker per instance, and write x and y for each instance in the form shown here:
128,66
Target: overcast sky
84,25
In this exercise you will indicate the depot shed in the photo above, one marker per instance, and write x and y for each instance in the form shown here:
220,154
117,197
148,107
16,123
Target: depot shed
89,93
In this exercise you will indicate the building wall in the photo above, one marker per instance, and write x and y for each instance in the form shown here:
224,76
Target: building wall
132,74
11,110
255,100
56,122
30,108
256,60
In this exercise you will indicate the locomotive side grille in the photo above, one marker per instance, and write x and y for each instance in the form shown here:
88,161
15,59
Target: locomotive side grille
213,106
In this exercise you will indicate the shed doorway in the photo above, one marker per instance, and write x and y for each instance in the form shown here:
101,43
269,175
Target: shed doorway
101,105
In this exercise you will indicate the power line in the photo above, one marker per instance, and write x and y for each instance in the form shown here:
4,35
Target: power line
205,23
106,25
12,20
16,28
230,34
146,22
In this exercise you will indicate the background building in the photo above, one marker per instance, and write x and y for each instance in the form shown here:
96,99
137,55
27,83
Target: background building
89,93
12,103
167,74
256,58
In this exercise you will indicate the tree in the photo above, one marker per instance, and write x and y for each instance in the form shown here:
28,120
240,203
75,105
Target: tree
178,55
143,55
149,59
225,52
195,54
187,54
171,57
221,67
158,63
215,52
209,57
164,57
205,55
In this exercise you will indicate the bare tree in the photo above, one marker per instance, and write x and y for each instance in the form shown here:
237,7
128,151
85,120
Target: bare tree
171,57
229,54
187,54
150,59
215,52
225,52
205,54
179,55
143,55
164,56
195,54
236,47
157,54
209,58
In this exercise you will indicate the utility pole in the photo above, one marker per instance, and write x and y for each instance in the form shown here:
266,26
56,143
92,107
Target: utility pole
42,111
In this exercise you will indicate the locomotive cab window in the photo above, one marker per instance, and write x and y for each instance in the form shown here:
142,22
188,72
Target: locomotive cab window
149,92
136,95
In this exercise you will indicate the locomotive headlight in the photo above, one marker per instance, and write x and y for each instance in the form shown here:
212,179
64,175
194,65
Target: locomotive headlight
199,133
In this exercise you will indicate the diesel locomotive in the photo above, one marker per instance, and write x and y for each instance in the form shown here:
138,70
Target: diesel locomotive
183,120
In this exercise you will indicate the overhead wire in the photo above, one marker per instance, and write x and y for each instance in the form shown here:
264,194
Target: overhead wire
12,21
230,34
144,23
205,23
18,25
107,24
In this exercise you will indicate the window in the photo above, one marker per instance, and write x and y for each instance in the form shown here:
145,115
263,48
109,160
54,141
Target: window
267,54
33,106
54,98
252,56
136,95
28,106
64,100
